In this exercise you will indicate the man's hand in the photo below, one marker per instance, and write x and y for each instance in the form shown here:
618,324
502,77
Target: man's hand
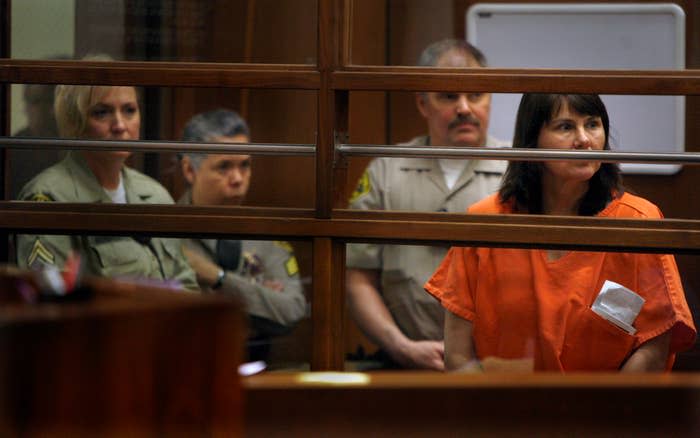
420,354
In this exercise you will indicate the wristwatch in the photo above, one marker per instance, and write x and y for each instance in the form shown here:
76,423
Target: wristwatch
219,279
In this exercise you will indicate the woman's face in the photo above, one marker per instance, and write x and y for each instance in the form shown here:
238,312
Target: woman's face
570,130
114,115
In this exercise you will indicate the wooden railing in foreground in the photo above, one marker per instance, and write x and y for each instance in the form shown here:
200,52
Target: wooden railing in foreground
129,360
425,404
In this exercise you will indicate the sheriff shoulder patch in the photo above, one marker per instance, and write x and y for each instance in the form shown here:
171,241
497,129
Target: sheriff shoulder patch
40,255
291,266
363,187
284,245
40,197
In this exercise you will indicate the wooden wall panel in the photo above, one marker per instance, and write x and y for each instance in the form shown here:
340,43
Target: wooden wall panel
413,24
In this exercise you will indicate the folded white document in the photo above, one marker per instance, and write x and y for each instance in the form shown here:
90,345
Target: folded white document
618,305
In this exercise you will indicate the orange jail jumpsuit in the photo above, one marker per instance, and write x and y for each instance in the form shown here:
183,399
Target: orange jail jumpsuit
523,306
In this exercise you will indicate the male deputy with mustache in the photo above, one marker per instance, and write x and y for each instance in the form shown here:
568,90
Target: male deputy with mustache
385,282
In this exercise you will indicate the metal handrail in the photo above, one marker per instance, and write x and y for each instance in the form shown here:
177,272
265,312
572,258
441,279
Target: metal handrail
307,150
364,150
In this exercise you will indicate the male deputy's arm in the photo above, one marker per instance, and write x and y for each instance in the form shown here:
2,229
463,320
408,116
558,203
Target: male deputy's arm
206,270
279,299
650,356
374,319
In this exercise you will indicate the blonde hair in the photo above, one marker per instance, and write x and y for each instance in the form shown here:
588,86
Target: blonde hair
72,103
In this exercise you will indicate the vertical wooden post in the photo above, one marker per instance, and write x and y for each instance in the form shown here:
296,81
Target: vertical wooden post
327,308
325,141
328,304
340,164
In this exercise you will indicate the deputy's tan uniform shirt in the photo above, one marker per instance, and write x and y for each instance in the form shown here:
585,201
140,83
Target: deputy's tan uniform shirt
275,311
416,184
71,180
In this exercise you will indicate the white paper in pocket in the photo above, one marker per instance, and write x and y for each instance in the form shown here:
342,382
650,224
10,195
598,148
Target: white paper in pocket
618,305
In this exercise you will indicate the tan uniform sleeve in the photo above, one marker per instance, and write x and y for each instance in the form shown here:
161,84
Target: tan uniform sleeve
179,269
280,310
369,195
35,251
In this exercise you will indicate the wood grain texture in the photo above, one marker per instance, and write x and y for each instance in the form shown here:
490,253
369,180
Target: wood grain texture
638,82
589,233
132,361
426,404
166,74
327,304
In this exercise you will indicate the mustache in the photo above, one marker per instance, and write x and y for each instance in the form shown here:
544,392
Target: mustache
466,118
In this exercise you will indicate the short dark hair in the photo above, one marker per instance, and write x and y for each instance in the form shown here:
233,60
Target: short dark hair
522,182
431,54
205,126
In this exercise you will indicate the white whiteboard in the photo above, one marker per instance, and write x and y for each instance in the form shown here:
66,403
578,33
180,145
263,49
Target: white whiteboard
591,36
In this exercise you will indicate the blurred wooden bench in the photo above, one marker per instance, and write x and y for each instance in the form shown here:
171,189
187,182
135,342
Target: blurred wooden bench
131,361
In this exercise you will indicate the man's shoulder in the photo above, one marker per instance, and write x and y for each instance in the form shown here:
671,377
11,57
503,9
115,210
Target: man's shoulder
389,165
421,140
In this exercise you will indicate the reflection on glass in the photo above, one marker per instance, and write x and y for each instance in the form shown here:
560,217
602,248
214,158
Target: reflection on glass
275,116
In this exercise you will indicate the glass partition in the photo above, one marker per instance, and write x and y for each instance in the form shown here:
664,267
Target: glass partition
405,118
530,309
167,30
225,115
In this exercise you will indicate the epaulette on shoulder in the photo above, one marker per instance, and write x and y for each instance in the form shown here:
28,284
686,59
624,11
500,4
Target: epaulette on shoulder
284,245
39,197
363,187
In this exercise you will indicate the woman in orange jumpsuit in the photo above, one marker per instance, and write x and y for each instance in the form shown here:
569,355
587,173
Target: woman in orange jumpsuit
560,310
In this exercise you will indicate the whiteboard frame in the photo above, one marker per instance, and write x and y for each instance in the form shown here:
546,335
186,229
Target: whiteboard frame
600,8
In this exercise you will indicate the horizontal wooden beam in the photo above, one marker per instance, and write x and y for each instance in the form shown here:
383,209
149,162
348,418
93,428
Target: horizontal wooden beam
369,78
165,74
634,82
408,379
583,233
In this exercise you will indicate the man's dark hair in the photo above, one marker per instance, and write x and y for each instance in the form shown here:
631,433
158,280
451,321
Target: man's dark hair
205,126
522,182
